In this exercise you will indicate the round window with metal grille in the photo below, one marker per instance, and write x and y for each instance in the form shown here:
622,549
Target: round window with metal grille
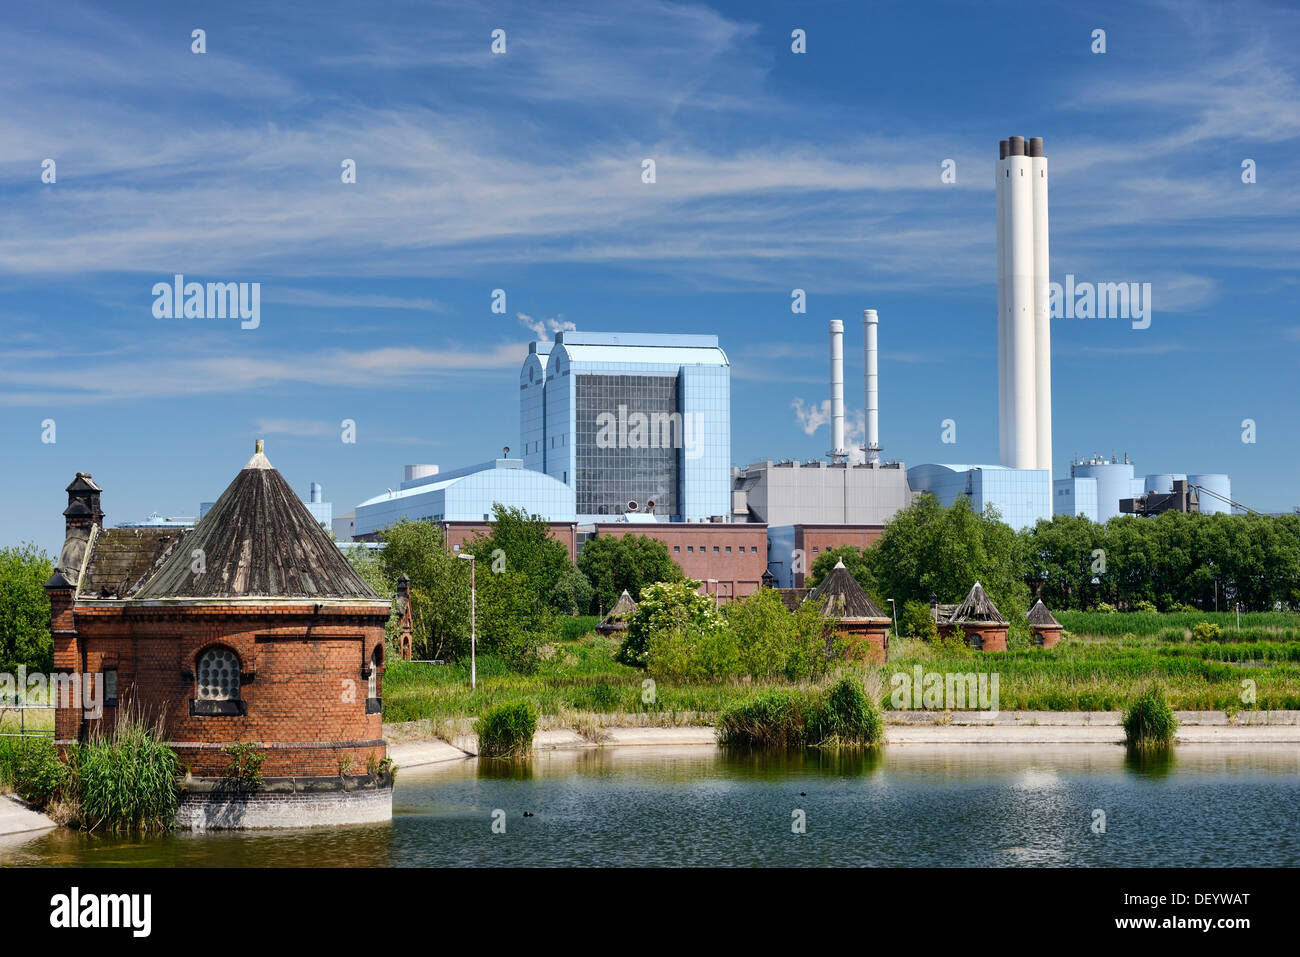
218,675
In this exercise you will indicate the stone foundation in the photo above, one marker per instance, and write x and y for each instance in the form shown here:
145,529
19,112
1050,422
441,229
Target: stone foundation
209,804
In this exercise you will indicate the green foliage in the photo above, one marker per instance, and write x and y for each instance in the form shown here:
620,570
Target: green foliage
523,545
128,779
932,550
31,766
573,627
370,566
1206,631
512,623
1144,607
440,586
917,622
1149,722
25,609
244,770
1176,562
667,607
842,715
572,593
855,561
1106,608
507,730
613,564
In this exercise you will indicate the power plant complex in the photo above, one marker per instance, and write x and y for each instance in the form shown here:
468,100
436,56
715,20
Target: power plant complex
631,433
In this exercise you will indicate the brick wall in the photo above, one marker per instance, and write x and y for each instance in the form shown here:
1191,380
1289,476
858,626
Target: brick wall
734,554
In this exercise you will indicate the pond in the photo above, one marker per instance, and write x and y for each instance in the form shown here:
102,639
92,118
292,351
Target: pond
985,805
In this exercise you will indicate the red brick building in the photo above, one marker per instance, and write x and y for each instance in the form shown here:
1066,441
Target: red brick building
250,627
1044,626
813,540
864,627
728,559
976,618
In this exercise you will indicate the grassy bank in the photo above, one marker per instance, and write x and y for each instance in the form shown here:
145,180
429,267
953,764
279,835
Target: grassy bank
1116,624
1088,672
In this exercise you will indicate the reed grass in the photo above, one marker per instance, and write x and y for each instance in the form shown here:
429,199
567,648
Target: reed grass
507,730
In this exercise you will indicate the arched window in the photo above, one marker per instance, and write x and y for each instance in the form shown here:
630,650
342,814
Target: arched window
372,687
218,675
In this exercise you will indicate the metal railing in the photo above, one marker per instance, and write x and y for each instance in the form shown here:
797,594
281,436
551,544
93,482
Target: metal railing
22,709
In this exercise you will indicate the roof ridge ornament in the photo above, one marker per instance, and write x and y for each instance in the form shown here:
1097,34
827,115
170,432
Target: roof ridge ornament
259,459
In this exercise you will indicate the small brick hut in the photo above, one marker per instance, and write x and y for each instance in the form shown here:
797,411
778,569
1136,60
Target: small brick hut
617,618
1044,626
977,619
864,627
250,627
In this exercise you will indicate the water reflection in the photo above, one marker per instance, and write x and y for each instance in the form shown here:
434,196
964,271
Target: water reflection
1150,762
959,805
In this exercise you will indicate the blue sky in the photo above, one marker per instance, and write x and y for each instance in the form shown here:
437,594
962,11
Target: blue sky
522,171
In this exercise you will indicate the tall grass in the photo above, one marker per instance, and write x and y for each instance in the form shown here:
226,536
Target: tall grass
1149,722
842,715
127,779
1117,624
507,730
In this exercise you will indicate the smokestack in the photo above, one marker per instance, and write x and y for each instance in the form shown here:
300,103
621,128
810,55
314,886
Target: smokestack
1042,312
869,324
316,492
837,453
1019,398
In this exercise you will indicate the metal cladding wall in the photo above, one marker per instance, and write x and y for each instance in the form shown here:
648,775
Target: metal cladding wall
1215,482
1114,482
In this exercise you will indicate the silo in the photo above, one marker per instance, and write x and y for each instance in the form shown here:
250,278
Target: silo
1218,483
1162,483
1114,482
414,472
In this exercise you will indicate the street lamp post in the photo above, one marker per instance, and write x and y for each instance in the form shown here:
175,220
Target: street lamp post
473,668
894,608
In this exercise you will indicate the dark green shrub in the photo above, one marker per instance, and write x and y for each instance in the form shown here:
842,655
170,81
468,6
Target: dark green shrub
846,715
507,730
128,780
916,621
1149,721
37,772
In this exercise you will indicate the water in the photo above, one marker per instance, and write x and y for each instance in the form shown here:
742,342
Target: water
983,805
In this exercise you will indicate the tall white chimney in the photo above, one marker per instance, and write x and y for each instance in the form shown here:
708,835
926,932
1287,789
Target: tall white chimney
1004,335
1042,312
1021,429
869,324
837,453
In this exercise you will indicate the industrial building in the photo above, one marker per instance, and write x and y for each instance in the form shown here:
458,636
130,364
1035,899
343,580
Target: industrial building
1020,496
465,495
631,422
1097,487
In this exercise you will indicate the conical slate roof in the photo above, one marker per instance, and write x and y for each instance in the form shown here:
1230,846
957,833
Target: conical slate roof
258,541
617,618
1040,616
978,606
840,596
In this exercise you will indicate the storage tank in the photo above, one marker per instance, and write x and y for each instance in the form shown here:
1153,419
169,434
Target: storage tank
1162,483
1215,482
1114,482
420,471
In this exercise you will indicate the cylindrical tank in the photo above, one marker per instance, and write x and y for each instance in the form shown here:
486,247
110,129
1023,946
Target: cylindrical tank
316,492
1215,482
1114,482
1162,483
420,471
1004,334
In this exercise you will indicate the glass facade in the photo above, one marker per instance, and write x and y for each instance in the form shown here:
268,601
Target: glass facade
1021,496
628,441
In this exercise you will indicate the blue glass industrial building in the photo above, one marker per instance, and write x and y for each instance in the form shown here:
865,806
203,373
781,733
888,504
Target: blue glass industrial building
1021,496
633,423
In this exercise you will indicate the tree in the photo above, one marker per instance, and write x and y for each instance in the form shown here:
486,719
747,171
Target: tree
521,543
613,563
572,594
440,584
667,607
855,561
25,609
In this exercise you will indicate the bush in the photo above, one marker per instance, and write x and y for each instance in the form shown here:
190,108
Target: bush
1144,607
1206,631
507,730
917,622
842,715
846,715
1106,608
1149,721
244,772
37,773
128,779
666,607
